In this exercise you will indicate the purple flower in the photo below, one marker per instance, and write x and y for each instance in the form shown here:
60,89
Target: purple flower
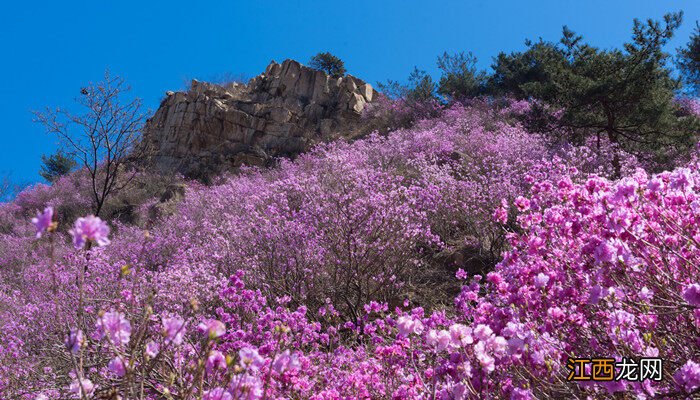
89,229
408,325
216,360
43,222
688,377
541,280
75,340
286,362
250,358
521,394
82,386
174,329
248,387
115,327
604,252
212,328
217,394
522,204
691,294
152,349
117,366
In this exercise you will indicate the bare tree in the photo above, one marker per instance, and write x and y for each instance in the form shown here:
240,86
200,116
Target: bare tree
104,137
9,188
6,188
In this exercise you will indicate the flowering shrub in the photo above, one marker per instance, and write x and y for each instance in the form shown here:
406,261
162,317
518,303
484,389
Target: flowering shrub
299,282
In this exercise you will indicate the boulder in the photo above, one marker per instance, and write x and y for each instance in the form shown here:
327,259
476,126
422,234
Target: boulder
282,112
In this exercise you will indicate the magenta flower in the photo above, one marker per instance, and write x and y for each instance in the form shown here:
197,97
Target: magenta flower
408,325
286,362
217,394
89,229
82,387
43,222
174,329
212,328
521,394
216,360
152,349
251,387
75,340
541,280
117,366
250,358
688,377
522,203
691,294
115,327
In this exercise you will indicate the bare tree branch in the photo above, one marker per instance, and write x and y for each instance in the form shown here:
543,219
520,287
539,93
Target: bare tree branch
104,138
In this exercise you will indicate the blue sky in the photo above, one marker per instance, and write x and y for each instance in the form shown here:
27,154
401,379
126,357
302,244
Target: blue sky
50,49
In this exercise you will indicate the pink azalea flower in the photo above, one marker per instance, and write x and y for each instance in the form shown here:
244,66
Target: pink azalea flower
691,294
212,328
117,366
217,394
688,377
89,229
152,349
174,329
83,386
407,325
75,340
522,203
216,360
43,222
249,358
248,387
115,327
286,362
541,280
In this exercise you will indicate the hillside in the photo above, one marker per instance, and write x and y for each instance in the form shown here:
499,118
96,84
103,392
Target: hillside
282,112
470,254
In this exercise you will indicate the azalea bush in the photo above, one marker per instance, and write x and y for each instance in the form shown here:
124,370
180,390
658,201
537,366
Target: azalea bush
323,278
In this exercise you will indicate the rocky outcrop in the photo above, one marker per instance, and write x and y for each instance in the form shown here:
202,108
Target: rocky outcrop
212,128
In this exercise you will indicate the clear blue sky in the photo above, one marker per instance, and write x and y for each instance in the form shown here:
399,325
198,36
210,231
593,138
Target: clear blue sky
51,48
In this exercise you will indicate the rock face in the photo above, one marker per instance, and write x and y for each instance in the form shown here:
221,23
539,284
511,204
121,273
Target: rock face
283,111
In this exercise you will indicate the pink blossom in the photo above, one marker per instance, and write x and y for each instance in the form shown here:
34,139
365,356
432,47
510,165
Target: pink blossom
217,394
500,215
174,329
115,327
541,280
691,294
117,366
82,387
461,335
482,332
43,222
152,349
247,387
249,358
522,203
212,328
521,394
407,325
286,362
461,274
89,229
215,360
75,340
688,376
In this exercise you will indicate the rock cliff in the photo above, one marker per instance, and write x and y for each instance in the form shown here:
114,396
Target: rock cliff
212,128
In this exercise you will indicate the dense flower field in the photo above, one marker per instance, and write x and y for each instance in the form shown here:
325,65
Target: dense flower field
312,280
